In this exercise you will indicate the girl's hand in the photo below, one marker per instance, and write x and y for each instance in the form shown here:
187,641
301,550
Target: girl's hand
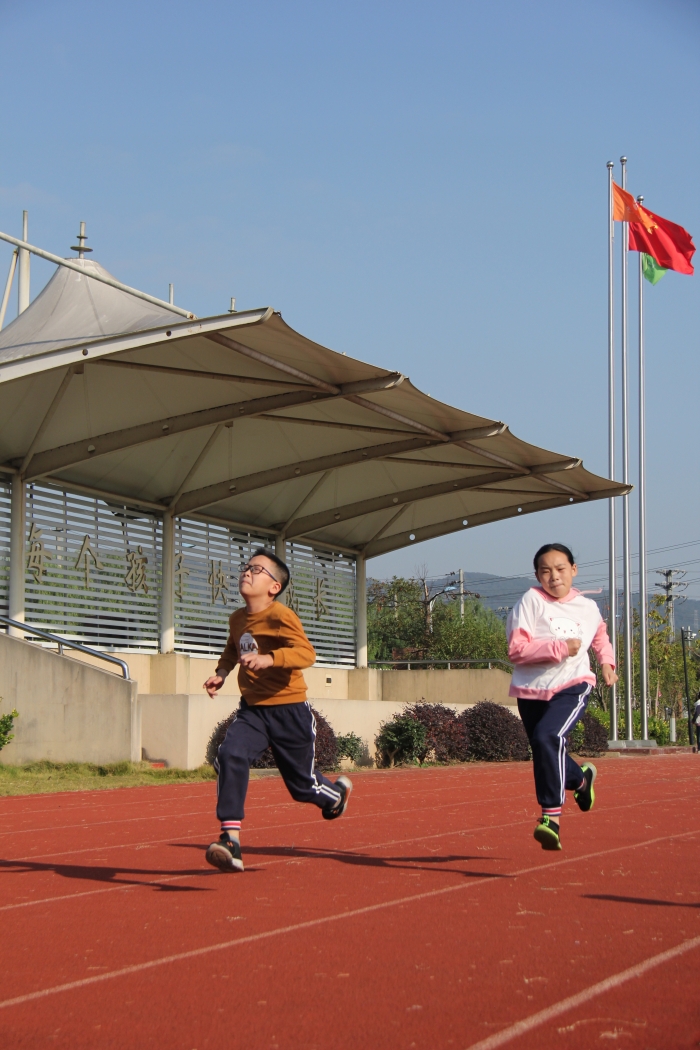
574,645
256,661
609,676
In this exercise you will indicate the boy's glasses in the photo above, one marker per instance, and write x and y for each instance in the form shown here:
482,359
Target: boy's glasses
255,570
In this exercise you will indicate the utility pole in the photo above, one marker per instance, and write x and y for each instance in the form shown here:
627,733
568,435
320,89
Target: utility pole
670,587
461,594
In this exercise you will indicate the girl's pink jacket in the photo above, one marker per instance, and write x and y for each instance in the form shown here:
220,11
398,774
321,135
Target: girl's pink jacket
538,627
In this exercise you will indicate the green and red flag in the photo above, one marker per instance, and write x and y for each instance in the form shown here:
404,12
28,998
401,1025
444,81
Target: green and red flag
669,245
651,269
664,245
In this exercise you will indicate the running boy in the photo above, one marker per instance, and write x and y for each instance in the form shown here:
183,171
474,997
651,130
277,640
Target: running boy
550,631
267,640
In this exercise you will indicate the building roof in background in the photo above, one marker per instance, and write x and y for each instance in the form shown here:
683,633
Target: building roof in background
71,308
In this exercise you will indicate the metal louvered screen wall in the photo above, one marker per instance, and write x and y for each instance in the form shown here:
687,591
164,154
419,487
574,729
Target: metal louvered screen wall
93,573
208,559
93,569
322,593
4,546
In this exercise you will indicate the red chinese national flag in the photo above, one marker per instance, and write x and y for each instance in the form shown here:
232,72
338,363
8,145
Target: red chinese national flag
669,244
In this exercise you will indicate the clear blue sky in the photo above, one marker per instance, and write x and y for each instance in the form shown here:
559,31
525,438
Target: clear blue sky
421,185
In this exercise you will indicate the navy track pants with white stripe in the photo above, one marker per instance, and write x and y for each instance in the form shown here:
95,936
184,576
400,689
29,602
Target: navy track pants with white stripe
290,730
547,724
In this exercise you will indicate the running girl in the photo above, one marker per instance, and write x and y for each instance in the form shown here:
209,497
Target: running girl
550,631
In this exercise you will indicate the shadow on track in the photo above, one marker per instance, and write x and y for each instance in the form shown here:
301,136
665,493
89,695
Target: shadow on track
111,875
639,900
414,864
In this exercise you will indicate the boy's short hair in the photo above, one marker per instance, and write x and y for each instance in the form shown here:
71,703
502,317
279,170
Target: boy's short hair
267,552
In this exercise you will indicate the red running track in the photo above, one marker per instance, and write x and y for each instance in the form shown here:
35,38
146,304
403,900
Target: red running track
426,917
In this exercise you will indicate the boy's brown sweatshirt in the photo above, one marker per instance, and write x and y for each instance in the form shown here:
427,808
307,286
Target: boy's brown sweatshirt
276,630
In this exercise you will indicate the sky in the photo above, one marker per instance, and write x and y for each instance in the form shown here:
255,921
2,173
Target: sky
421,185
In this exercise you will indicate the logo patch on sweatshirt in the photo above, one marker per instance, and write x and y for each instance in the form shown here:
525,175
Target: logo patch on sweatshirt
247,644
562,627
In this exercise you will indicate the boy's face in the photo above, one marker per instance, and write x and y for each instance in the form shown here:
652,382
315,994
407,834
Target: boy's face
259,584
556,574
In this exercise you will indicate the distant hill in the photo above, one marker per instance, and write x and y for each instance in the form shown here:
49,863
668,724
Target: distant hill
500,593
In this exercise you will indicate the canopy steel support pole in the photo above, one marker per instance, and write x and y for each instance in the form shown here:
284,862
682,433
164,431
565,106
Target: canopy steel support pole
8,287
17,541
612,559
626,566
167,584
23,277
361,610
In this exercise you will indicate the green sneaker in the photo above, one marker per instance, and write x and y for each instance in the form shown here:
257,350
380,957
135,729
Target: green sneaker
585,796
547,833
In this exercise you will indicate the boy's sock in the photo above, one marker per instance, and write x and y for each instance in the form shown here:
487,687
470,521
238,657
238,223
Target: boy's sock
232,828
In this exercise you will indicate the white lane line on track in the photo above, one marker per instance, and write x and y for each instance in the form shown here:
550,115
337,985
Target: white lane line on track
108,793
444,776
194,953
263,865
502,782
256,831
289,804
305,823
556,1009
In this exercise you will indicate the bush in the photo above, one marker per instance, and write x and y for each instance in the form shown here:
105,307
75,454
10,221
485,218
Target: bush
326,744
445,735
6,724
400,740
350,746
488,733
588,737
494,734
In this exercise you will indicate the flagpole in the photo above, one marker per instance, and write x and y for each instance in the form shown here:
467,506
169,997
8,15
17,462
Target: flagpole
643,623
626,573
612,562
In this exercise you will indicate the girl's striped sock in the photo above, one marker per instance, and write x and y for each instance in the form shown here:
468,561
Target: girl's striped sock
553,813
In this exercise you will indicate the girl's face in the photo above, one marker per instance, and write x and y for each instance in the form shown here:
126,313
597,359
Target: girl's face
555,574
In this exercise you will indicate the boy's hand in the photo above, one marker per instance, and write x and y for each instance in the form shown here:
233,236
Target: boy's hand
609,676
574,645
256,661
213,684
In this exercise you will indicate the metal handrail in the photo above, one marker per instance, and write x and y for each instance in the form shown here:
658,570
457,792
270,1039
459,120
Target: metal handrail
430,663
63,642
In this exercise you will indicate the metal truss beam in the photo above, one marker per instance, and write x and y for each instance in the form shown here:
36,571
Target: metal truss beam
195,499
391,500
444,528
116,440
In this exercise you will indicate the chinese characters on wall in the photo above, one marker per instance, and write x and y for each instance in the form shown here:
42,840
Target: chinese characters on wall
87,561
310,593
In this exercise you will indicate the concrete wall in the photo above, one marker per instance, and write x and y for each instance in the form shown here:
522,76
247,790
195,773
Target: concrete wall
67,712
176,727
78,712
177,724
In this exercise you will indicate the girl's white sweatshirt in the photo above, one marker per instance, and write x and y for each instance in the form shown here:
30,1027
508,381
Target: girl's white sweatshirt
538,627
